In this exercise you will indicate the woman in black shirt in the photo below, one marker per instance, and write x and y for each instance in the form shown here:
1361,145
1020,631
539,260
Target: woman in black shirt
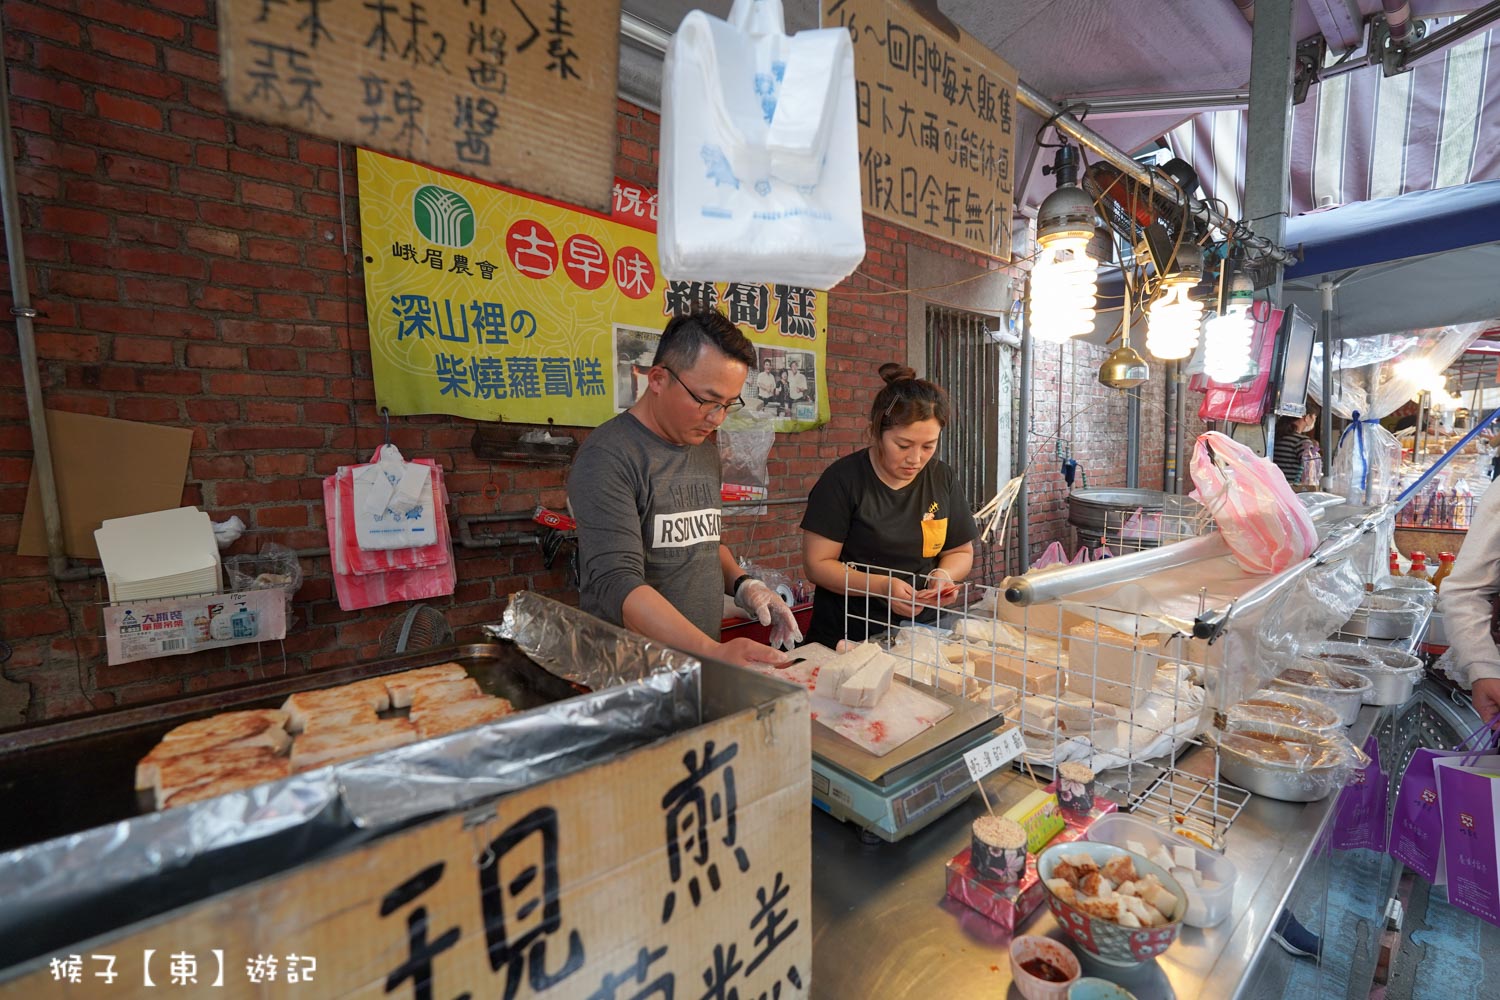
892,508
1293,444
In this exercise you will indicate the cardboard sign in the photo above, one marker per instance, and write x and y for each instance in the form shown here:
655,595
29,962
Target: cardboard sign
527,310
678,870
936,125
521,91
172,626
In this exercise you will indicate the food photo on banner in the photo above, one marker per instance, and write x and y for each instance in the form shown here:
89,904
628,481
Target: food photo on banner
491,304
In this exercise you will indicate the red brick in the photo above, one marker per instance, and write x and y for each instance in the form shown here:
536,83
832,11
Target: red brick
134,170
61,155
173,383
214,411
185,123
217,241
329,258
148,230
282,306
281,517
265,385
25,595
108,196
273,359
139,259
68,346
213,356
281,224
281,465
269,438
24,623
264,276
190,64
262,411
156,145
325,413
255,332
123,46
324,205
218,467
206,97
276,251
34,20
205,38
83,286
159,411
75,221
172,323
226,299
106,72
203,183
28,86
171,206
136,18
268,195
251,494
158,291
262,138
141,350
269,168
328,362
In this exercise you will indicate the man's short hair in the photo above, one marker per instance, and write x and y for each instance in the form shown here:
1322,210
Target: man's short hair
684,337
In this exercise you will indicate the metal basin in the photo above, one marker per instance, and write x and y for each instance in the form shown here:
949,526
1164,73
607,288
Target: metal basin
1092,511
1288,783
1385,616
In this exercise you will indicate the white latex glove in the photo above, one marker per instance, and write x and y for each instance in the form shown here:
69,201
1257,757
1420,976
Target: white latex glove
762,603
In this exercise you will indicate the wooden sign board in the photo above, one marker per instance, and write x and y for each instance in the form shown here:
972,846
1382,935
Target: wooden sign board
519,92
936,125
672,870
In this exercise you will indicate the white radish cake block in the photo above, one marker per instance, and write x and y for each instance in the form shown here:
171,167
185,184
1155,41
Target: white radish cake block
340,700
833,673
430,696
459,715
867,685
341,717
1163,857
1136,847
401,686
993,633
1184,856
320,749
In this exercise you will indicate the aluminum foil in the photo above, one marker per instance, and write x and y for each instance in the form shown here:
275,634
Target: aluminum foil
65,890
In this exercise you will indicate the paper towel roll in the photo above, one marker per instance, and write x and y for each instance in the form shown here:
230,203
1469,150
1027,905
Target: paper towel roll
785,593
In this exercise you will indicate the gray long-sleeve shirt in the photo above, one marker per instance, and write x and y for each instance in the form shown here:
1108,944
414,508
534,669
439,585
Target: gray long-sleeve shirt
648,512
1469,589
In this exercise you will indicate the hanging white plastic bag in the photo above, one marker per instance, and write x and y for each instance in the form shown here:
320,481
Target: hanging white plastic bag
1053,555
759,152
1367,463
393,503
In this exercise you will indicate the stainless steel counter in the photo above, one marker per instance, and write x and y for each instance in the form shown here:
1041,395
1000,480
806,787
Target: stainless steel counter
883,926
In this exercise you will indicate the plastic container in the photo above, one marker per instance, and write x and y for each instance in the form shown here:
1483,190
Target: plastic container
1345,694
1206,907
1393,675
1029,946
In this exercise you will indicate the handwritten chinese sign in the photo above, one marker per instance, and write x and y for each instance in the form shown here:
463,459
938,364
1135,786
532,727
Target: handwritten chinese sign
520,91
488,304
936,125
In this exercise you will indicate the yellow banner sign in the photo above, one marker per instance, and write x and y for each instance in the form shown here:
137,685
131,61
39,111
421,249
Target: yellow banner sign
490,304
519,91
936,124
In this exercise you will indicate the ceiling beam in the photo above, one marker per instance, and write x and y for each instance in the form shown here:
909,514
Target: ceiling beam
1340,22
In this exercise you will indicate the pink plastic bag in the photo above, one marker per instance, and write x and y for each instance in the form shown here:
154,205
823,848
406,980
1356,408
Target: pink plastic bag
1052,555
1264,524
1081,557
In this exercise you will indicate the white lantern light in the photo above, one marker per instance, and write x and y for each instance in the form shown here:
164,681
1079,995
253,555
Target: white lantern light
1064,283
1172,322
1227,343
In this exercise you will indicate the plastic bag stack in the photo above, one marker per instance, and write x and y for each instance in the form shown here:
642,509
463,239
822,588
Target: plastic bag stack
759,152
403,550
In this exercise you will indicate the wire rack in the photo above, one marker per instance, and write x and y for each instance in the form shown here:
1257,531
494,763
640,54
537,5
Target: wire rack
1180,518
1115,692
1438,508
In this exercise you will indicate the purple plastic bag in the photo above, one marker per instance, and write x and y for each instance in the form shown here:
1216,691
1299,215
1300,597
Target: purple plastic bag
1359,821
1416,833
1467,798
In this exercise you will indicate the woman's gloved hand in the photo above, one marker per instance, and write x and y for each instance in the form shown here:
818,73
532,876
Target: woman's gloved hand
762,603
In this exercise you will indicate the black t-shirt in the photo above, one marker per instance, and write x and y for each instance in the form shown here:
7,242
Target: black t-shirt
903,530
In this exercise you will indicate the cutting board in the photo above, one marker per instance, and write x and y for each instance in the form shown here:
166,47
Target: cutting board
903,713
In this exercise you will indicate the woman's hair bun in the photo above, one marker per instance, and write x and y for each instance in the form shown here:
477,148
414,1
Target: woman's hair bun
892,372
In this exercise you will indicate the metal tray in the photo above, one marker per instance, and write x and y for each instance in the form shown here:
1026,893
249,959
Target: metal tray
79,773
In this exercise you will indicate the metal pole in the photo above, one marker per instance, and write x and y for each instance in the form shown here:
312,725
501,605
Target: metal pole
1029,97
1132,438
1475,20
1023,432
1325,424
20,290
1168,429
1268,144
1123,105
1179,437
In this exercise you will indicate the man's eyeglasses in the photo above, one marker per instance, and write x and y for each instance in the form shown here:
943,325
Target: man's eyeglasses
707,407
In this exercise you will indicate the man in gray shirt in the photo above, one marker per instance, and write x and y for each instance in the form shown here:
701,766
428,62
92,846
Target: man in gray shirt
644,490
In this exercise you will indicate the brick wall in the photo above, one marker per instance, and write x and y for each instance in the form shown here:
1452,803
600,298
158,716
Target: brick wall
190,269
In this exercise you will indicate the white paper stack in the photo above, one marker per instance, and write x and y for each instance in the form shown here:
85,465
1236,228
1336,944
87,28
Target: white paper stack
167,553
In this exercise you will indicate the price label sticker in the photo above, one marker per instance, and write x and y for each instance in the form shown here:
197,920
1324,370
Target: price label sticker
995,754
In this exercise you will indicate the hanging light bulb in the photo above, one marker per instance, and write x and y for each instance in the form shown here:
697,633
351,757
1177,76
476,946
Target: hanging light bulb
1226,348
1228,338
1065,278
1172,322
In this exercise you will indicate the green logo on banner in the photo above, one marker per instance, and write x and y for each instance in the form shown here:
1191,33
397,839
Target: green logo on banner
443,217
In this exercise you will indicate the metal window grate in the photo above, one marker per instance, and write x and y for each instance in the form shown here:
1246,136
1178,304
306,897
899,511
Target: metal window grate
975,370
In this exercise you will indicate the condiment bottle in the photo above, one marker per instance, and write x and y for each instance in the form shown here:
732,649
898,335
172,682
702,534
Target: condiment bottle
1419,567
1445,566
1395,563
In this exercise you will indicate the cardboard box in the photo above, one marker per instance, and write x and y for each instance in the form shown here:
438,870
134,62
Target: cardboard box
685,861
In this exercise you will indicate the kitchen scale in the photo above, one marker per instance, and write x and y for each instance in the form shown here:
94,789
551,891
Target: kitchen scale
896,795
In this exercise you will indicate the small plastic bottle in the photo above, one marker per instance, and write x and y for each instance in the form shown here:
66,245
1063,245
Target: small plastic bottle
1445,566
